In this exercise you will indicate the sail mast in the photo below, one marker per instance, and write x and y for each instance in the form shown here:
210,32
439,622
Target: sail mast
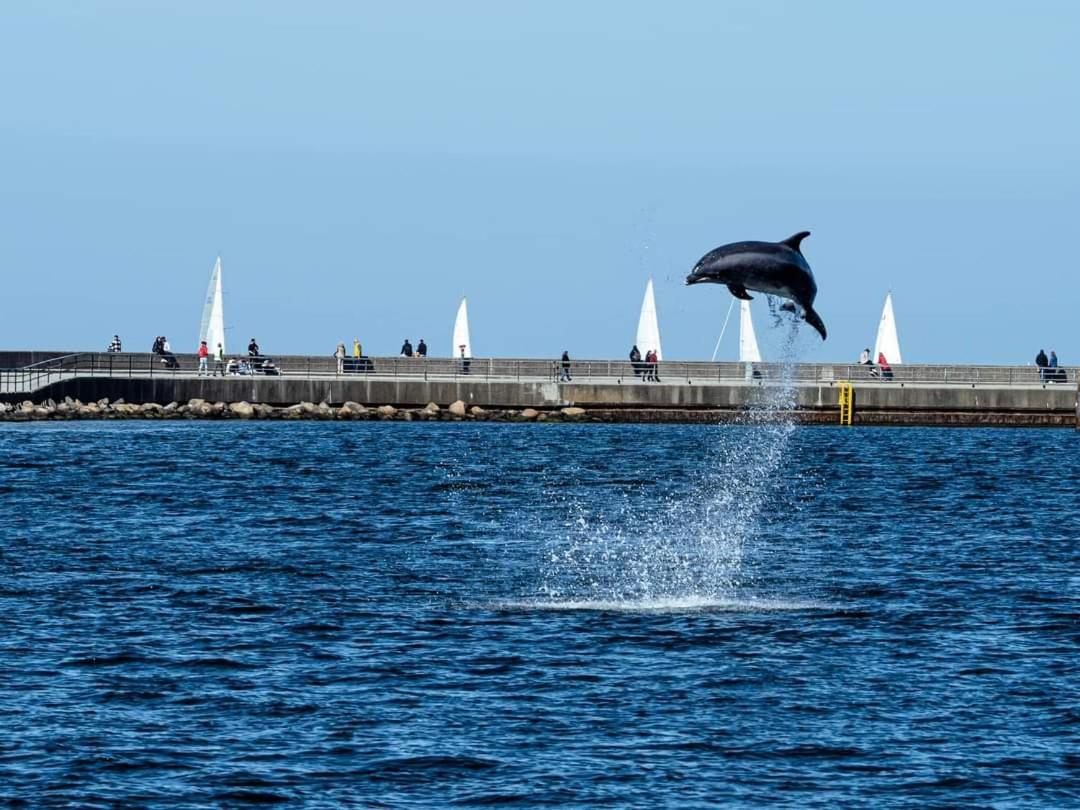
748,345
212,327
887,342
648,330
462,343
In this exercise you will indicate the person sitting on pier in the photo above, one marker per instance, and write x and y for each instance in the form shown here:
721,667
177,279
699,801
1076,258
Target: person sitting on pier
406,349
159,345
253,348
233,368
267,367
883,364
1053,373
421,348
114,345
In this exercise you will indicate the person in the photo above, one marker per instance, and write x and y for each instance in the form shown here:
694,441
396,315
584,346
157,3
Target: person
168,359
204,355
564,375
864,358
267,367
1042,363
253,348
233,368
357,351
219,360
635,360
159,345
244,367
421,348
651,367
114,345
1055,374
339,353
465,362
883,364
406,348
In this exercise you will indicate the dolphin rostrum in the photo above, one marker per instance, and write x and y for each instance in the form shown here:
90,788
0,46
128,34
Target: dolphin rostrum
774,268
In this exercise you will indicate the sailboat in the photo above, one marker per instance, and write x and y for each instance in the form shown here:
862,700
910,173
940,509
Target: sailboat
212,329
748,348
462,345
887,342
648,329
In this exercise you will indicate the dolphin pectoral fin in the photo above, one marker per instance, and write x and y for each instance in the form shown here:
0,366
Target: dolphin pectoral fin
794,240
814,320
739,291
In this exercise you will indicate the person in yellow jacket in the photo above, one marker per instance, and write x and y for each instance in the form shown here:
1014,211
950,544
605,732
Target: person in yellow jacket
356,351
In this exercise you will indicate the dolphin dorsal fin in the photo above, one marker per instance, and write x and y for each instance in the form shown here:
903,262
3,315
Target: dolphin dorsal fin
793,241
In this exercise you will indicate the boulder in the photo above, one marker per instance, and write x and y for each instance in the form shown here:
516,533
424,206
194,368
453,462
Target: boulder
386,411
573,413
26,406
242,410
457,408
172,406
478,412
103,403
355,408
432,408
308,407
263,411
529,414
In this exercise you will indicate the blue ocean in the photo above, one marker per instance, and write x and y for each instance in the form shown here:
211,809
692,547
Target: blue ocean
429,615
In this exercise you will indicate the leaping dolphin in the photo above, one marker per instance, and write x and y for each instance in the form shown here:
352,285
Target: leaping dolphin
774,268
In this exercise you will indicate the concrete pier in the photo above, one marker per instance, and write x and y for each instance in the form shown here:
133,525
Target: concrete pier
611,390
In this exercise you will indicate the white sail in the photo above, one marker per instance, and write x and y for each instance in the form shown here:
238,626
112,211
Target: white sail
748,348
887,342
461,332
648,329
212,329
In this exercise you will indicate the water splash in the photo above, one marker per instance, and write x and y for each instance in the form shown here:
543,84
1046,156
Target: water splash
686,547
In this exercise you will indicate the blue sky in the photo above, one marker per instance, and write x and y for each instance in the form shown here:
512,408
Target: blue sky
362,166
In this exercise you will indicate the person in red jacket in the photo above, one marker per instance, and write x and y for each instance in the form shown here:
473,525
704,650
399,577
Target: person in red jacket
883,364
204,356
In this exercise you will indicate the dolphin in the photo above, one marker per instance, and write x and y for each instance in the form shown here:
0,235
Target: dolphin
774,268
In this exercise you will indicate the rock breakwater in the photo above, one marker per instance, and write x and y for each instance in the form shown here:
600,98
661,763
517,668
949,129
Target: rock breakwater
103,409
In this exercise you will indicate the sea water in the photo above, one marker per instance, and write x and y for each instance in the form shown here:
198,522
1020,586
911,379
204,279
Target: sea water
405,615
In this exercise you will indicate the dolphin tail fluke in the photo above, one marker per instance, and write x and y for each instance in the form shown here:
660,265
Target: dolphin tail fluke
814,320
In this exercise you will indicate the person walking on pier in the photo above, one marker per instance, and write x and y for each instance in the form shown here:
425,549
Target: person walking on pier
564,362
357,351
219,360
204,355
421,348
1042,363
406,348
339,354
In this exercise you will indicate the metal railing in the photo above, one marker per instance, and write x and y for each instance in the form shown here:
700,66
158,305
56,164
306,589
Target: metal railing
144,365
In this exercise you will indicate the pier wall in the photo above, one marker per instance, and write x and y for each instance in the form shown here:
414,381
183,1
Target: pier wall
875,403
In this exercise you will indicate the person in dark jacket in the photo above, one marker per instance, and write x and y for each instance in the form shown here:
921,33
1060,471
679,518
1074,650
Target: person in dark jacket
635,360
253,348
421,348
564,362
1042,363
406,349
